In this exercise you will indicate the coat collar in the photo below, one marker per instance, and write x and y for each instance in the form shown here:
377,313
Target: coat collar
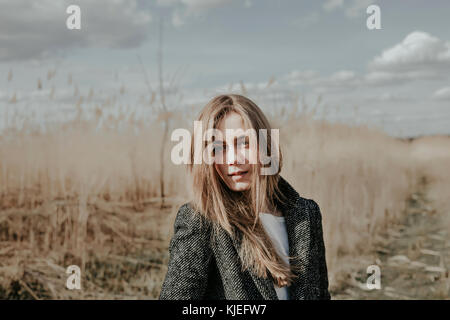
297,227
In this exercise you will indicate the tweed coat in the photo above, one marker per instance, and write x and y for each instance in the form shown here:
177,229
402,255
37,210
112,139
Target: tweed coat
202,267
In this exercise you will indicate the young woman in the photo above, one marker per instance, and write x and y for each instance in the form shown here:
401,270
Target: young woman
245,235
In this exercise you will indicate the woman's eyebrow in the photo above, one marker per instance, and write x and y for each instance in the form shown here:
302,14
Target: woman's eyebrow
240,137
218,142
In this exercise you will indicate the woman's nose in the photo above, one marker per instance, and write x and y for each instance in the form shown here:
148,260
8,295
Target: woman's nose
235,156
231,155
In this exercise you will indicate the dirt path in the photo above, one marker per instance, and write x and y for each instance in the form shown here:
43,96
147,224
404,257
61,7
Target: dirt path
414,258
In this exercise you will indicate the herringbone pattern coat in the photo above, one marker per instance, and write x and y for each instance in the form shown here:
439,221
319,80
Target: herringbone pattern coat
202,267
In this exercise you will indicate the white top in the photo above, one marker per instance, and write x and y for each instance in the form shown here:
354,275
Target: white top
276,229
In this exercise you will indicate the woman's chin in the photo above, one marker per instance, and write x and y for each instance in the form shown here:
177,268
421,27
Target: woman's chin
239,186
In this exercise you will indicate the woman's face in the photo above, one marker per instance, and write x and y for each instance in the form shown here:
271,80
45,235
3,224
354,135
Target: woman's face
234,169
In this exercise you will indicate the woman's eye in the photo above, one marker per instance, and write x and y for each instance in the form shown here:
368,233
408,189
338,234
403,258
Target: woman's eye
243,143
218,149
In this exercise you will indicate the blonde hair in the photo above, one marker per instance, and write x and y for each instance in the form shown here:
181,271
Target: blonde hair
240,210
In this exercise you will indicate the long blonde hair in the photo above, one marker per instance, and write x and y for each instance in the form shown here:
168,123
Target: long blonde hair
240,210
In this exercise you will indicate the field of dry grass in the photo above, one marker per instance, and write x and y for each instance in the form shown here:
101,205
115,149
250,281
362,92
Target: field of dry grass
88,195
414,255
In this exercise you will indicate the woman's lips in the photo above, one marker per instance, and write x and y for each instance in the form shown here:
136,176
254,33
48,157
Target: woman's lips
238,175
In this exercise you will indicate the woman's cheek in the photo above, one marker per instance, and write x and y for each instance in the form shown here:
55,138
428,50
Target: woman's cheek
220,170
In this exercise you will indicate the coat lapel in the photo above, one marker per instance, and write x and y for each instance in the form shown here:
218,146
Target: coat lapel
298,230
297,226
264,285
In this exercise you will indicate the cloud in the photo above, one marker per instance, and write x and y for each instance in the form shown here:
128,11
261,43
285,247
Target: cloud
339,79
307,20
343,77
166,3
355,9
183,10
177,18
387,97
442,94
330,5
200,5
419,56
37,29
306,77
418,51
379,78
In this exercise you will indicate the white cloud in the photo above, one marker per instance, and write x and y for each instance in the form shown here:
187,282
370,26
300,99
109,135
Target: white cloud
330,5
307,20
37,29
166,3
419,50
342,78
352,10
296,77
418,56
357,8
442,94
196,5
177,19
387,97
183,10
385,78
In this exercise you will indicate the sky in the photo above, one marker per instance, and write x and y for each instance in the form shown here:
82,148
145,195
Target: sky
396,78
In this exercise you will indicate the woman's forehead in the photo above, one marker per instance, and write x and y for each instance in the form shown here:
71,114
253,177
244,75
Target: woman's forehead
233,120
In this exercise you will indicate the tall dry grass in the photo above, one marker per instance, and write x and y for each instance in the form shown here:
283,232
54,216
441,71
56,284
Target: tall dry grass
359,176
433,160
85,194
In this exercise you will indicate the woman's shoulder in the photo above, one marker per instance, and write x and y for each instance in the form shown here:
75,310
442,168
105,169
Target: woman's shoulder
291,195
313,213
187,215
313,206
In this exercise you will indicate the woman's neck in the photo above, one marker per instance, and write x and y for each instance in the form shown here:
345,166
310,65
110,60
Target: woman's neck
274,211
